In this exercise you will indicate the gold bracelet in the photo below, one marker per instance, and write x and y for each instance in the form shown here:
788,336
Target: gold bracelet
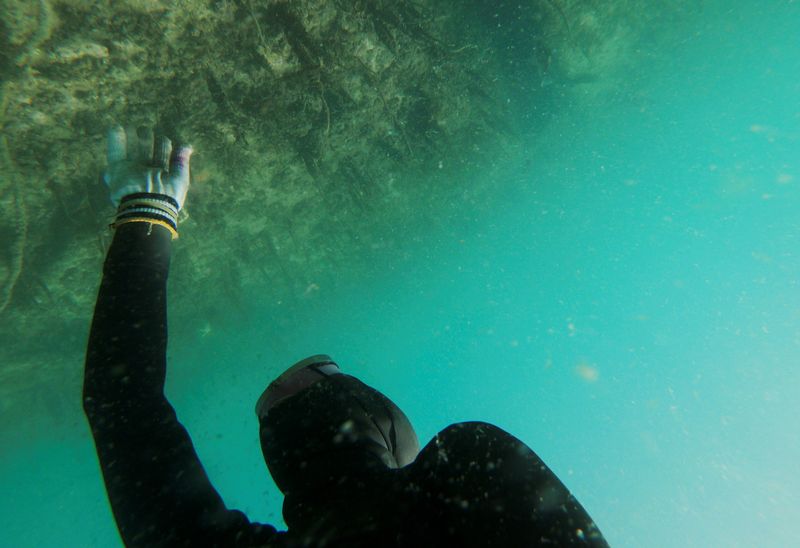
165,224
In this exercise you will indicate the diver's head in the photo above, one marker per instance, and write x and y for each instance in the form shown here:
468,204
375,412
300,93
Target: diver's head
299,376
318,425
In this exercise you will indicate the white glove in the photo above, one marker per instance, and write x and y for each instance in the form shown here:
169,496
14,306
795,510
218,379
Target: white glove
147,181
135,165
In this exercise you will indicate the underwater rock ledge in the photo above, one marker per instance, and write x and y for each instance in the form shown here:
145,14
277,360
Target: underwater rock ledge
320,127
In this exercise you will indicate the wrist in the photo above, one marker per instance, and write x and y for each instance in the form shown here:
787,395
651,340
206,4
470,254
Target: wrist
147,207
140,247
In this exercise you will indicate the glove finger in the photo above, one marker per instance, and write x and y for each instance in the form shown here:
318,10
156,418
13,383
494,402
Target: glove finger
117,145
131,143
179,166
140,145
162,152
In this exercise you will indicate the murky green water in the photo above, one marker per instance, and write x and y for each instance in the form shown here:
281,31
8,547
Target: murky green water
625,300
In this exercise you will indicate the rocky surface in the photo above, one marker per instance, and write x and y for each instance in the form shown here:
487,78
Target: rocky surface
323,130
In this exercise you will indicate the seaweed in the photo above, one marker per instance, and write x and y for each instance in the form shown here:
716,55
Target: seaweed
358,186
384,34
307,147
16,251
7,53
396,15
309,53
217,94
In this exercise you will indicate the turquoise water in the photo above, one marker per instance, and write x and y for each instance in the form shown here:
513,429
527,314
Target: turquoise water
626,303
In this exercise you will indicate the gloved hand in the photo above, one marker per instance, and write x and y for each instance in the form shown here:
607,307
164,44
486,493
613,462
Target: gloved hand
148,183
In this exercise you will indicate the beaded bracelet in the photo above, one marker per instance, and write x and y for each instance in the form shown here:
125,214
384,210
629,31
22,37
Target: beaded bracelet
147,207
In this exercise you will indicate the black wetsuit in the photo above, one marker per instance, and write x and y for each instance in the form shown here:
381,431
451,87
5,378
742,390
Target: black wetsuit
472,485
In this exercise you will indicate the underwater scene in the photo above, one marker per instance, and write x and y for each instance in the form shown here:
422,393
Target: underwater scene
577,220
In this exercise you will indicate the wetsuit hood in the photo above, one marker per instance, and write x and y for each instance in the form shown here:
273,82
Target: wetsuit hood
319,425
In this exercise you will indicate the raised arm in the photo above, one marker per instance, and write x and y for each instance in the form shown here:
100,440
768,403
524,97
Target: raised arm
158,489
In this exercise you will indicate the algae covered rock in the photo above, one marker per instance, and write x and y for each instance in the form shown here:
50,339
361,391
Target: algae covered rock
320,127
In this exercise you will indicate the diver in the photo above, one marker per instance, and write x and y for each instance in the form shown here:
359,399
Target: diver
344,456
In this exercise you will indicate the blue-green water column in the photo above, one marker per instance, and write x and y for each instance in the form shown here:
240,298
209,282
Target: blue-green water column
626,303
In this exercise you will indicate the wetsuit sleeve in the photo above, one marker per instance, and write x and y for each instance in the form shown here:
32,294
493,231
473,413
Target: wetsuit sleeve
157,487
